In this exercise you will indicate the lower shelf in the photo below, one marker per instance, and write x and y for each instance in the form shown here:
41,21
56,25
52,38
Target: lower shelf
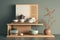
31,36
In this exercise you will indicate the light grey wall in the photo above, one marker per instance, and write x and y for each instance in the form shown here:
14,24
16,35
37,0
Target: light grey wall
7,12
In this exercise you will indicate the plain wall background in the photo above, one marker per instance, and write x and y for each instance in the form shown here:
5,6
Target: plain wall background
7,12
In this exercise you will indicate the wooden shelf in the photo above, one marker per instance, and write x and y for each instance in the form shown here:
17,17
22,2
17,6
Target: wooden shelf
28,27
31,36
25,24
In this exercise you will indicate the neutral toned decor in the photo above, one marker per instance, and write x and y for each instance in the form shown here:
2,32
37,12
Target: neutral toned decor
49,22
29,11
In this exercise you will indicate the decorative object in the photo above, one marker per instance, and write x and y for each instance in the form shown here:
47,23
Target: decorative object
27,10
21,16
21,34
33,31
14,31
22,20
32,20
23,9
49,21
16,20
47,31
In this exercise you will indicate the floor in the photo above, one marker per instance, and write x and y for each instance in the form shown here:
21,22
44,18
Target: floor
57,37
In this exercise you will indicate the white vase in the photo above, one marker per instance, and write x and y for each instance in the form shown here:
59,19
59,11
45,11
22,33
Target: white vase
22,20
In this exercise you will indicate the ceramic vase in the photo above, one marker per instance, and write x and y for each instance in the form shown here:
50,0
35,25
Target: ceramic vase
47,31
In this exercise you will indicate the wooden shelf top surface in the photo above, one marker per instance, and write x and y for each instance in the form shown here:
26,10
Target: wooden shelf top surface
31,36
25,24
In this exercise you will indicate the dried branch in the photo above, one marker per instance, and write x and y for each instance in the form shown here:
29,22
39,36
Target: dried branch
49,12
49,15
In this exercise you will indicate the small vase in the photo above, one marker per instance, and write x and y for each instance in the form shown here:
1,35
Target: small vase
22,20
47,31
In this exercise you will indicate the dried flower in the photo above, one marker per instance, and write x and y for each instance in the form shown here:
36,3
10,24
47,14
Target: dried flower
50,20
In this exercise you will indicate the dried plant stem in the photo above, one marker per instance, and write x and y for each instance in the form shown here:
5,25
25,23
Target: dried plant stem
50,18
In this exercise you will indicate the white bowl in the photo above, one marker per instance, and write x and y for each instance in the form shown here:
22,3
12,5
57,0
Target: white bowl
15,20
30,21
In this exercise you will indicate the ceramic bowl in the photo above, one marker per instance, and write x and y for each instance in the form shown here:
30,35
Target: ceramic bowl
33,31
13,31
15,20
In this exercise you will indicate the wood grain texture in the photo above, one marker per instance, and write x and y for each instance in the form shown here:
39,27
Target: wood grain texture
25,23
31,36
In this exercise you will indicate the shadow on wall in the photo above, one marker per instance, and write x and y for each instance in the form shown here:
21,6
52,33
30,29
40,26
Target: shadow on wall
7,18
